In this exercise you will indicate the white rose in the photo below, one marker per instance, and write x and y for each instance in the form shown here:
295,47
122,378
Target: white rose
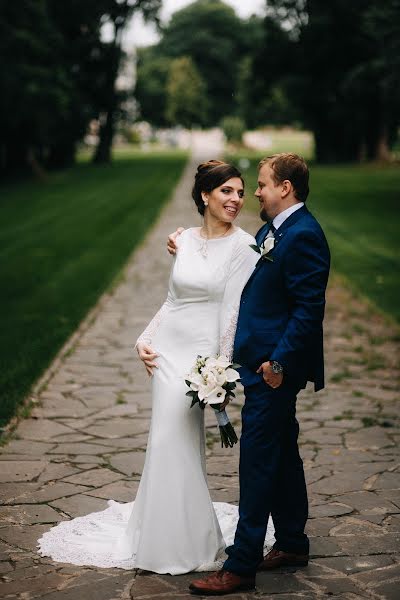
195,380
222,362
269,243
231,375
221,378
210,376
211,363
205,390
216,396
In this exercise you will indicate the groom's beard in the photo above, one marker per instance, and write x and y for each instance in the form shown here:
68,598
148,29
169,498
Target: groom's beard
263,215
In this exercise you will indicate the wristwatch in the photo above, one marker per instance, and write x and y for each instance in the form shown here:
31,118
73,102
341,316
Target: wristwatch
276,367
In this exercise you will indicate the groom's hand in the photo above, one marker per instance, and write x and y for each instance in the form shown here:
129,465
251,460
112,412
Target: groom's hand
172,246
272,379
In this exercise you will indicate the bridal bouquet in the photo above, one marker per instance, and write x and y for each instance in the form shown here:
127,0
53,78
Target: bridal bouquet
212,381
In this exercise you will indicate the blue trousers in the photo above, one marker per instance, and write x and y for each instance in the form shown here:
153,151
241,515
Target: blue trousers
271,477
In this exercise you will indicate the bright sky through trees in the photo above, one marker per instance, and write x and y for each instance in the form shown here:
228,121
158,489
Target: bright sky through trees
141,34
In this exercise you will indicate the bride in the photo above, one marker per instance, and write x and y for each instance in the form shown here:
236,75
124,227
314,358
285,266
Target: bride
173,526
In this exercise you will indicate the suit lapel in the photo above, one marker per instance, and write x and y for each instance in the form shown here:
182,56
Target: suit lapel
279,233
261,233
292,219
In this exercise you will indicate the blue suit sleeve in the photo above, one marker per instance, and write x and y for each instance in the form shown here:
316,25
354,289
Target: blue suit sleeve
306,271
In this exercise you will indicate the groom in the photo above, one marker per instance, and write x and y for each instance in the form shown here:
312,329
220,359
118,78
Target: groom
279,343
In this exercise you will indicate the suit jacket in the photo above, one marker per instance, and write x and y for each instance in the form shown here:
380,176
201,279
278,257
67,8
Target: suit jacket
283,303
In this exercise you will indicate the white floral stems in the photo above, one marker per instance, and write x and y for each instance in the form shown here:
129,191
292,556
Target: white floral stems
212,381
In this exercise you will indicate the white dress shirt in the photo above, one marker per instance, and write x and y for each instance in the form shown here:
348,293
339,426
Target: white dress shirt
279,219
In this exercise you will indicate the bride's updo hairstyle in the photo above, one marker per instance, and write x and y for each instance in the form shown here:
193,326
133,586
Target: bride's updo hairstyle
210,175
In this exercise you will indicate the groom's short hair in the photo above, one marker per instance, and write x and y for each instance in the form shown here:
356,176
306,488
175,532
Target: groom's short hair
286,165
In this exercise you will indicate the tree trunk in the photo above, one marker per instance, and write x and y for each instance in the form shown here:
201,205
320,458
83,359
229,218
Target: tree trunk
106,135
382,151
107,129
37,169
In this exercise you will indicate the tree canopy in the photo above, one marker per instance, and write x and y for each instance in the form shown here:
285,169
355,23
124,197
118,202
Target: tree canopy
340,67
187,101
216,40
56,74
332,67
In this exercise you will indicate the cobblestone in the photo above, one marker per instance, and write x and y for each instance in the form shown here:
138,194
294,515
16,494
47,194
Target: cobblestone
87,434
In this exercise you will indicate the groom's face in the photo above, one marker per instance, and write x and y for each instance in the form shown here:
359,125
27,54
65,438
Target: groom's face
268,193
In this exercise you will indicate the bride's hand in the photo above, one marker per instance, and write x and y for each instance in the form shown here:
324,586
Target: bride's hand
147,355
171,243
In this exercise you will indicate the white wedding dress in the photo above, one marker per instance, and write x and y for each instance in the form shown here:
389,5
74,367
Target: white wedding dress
173,526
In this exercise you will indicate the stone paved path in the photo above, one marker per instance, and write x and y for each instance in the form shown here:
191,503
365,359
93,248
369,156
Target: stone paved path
86,437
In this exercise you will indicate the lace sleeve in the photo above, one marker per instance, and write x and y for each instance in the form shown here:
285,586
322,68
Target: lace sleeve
154,324
151,329
242,264
228,335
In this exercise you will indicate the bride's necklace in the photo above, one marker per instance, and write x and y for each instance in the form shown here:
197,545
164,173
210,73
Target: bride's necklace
204,241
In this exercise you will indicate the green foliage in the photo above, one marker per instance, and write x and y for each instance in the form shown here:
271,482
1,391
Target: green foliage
340,63
118,14
56,74
269,78
133,136
151,83
209,32
216,40
233,128
186,94
61,245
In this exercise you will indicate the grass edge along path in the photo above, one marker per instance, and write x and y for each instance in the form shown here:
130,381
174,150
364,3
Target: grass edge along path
62,245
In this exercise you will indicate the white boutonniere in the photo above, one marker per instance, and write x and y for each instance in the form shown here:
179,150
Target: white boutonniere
265,248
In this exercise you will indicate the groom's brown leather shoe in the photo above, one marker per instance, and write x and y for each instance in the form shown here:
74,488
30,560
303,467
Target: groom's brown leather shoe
277,558
220,583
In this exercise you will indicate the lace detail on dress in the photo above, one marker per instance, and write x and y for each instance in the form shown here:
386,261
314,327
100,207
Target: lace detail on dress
228,334
242,262
89,540
92,540
153,326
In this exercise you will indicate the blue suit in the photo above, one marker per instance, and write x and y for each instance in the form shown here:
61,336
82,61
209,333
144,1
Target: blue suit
280,318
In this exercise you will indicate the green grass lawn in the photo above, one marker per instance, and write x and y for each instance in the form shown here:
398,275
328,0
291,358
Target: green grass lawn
285,139
62,243
359,209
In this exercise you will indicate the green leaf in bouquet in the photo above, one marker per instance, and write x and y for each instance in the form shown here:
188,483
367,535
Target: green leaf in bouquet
194,401
256,248
191,393
235,366
229,385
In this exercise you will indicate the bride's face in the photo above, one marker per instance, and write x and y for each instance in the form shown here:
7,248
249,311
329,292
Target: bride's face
225,202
